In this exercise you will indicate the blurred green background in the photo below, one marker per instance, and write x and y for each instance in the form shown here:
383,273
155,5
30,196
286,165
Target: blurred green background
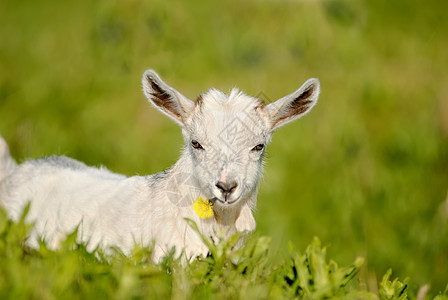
366,170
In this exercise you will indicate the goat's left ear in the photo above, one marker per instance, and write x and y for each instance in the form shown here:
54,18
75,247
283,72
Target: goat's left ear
293,106
165,98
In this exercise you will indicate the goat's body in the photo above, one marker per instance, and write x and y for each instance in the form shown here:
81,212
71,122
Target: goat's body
112,210
7,164
65,193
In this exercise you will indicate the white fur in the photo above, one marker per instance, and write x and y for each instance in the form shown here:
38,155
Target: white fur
112,210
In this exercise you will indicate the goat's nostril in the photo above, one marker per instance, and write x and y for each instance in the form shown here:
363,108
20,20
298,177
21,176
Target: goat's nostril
220,187
226,187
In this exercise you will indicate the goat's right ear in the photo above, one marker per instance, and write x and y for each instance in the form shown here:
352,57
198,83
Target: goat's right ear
165,98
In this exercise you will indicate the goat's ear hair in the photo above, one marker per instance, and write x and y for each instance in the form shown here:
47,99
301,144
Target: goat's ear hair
293,106
165,98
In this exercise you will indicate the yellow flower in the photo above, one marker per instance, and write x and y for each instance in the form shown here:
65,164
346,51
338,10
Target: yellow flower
203,208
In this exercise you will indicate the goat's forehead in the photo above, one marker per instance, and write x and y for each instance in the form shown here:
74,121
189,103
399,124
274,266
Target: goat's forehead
236,114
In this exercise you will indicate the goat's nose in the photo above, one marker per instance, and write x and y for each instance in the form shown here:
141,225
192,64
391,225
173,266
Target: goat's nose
226,187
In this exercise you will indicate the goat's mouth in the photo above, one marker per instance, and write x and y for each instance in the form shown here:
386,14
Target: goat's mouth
225,201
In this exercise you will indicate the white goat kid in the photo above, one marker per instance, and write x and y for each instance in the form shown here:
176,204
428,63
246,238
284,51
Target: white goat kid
225,138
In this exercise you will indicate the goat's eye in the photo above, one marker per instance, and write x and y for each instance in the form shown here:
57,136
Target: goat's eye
258,147
196,145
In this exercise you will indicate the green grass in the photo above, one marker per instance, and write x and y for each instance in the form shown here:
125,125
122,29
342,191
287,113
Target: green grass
71,272
366,171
